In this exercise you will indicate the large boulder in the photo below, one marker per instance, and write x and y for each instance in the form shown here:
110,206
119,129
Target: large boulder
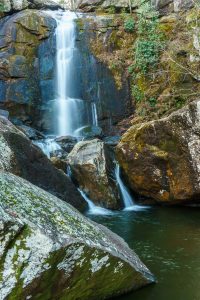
49,251
92,167
161,159
19,156
27,67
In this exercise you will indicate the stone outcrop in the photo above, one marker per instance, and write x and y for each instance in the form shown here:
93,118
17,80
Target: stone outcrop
92,167
92,5
27,55
19,156
163,6
11,6
160,159
49,250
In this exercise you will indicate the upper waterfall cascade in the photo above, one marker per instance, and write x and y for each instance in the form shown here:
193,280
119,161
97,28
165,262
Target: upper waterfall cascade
71,111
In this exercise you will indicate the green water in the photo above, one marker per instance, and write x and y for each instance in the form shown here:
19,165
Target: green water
168,242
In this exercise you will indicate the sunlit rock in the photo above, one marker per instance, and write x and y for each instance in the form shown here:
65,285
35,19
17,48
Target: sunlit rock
161,159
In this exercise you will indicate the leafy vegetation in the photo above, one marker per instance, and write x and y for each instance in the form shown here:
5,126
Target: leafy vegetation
129,24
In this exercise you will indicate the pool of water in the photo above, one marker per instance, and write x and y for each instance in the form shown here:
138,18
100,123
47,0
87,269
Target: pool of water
168,242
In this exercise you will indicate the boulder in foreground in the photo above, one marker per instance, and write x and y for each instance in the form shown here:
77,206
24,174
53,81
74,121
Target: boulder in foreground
50,251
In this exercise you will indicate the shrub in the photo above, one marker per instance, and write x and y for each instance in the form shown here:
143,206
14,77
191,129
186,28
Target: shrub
129,25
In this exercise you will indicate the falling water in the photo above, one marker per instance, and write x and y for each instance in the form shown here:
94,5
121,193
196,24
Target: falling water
93,209
48,146
126,197
70,116
94,114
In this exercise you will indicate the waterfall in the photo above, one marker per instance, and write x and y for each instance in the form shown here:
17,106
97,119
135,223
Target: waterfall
69,109
93,209
126,197
72,111
94,114
48,146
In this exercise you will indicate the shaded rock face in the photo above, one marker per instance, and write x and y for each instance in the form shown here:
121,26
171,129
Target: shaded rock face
48,250
160,159
92,167
19,156
27,52
97,83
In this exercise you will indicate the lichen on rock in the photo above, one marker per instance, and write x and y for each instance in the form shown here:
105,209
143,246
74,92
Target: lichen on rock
48,249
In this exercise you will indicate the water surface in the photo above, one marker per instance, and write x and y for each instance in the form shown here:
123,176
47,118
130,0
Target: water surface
168,242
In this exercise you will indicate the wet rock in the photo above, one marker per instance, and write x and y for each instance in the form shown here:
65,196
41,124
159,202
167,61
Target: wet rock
160,159
91,132
92,167
50,250
66,143
19,156
111,140
31,133
4,113
59,163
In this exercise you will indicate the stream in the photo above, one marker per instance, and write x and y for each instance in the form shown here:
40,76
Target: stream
168,242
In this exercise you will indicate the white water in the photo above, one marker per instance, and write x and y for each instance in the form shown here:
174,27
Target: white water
70,111
126,197
69,116
48,146
94,114
93,209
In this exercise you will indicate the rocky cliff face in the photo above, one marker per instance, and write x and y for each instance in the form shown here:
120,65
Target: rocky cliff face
27,65
157,49
27,71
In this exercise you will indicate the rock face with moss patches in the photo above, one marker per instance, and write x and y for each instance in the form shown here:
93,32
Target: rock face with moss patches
49,251
160,159
91,164
19,156
27,56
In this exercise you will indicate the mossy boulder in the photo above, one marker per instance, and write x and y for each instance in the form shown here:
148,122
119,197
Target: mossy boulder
19,156
92,167
160,159
49,251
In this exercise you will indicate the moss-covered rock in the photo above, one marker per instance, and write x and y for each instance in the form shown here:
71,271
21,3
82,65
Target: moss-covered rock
92,167
160,159
19,156
49,251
